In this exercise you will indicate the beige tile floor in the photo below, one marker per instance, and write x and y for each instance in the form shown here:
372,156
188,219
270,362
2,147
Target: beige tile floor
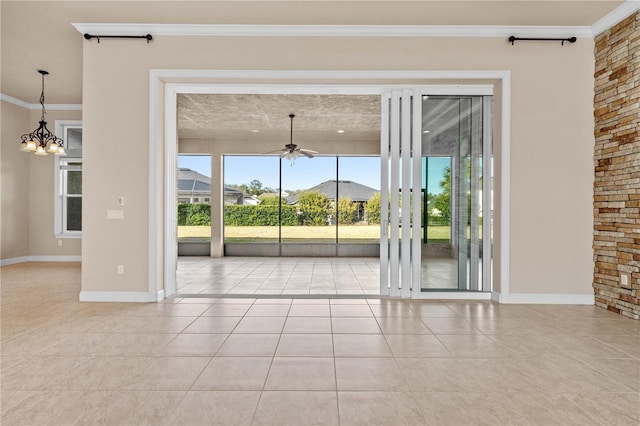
192,361
294,276
278,275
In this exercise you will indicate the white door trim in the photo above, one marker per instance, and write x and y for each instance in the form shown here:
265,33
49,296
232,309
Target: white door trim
160,90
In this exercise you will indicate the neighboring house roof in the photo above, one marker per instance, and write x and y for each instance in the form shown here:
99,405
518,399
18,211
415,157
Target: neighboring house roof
346,188
190,181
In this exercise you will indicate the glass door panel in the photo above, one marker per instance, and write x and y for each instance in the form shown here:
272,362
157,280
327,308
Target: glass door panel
452,149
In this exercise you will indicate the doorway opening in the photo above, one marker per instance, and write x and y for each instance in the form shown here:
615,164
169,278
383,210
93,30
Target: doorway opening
173,91
319,214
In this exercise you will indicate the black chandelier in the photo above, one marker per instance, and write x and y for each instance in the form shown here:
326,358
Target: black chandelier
42,141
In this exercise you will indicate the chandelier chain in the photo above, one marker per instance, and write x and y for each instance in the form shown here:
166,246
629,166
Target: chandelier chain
42,99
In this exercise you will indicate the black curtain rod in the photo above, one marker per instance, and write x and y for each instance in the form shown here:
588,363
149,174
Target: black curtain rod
513,39
148,37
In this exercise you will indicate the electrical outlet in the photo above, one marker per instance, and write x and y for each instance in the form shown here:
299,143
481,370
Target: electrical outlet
120,269
120,200
624,278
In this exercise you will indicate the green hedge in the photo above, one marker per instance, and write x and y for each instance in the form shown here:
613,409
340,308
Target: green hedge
194,214
260,215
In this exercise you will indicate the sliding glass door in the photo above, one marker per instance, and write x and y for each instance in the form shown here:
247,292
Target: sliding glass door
436,157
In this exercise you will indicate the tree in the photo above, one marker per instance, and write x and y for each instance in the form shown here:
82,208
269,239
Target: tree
372,209
314,208
347,211
442,201
255,188
270,200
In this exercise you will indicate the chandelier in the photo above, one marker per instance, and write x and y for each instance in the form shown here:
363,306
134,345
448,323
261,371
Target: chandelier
42,141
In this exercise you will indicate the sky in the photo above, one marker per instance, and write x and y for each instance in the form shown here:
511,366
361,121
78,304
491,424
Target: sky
304,173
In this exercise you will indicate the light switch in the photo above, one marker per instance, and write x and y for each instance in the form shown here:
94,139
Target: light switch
115,214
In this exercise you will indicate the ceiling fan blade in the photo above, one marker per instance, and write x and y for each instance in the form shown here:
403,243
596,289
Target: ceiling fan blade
307,153
277,151
310,151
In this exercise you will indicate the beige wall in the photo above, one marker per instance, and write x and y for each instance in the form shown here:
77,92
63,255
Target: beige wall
15,182
551,139
28,189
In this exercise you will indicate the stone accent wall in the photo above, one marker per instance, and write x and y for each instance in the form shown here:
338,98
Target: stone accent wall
616,198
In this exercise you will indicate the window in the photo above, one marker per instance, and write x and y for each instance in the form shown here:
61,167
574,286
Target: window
68,182
304,211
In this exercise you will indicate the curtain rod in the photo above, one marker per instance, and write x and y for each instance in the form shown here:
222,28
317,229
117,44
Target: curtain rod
513,39
87,36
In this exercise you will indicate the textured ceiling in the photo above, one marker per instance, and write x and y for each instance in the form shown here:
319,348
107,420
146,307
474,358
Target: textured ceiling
233,118
38,34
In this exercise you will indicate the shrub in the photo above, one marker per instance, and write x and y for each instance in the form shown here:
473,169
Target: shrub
194,214
347,211
372,209
260,215
314,208
199,219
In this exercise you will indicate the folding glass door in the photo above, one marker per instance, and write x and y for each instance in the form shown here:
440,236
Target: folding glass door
436,193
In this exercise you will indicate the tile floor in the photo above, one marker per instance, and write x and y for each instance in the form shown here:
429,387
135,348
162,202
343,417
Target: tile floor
253,361
294,276
278,275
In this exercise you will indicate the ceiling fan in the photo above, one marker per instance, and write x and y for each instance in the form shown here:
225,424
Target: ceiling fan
292,151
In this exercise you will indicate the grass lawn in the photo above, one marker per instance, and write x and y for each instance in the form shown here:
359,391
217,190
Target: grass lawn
347,234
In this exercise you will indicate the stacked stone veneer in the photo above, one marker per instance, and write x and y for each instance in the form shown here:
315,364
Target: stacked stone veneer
616,197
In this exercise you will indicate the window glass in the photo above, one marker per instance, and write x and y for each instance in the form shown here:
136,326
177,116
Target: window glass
74,182
68,204
194,193
251,198
359,199
310,184
74,214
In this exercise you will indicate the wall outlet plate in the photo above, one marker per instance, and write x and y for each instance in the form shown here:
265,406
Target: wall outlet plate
624,278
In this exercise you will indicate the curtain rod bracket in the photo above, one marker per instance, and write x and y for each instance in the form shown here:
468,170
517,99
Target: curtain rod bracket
513,39
147,37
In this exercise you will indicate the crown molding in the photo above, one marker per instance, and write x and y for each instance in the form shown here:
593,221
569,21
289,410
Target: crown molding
15,101
618,14
241,30
50,107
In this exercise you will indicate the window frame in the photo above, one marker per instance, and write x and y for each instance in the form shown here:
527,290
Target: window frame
60,182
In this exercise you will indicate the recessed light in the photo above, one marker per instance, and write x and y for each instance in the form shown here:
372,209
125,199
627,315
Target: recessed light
340,131
426,131
255,131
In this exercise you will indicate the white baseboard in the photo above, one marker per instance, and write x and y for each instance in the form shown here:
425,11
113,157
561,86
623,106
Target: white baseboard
551,299
24,259
55,258
14,260
496,297
161,295
114,296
